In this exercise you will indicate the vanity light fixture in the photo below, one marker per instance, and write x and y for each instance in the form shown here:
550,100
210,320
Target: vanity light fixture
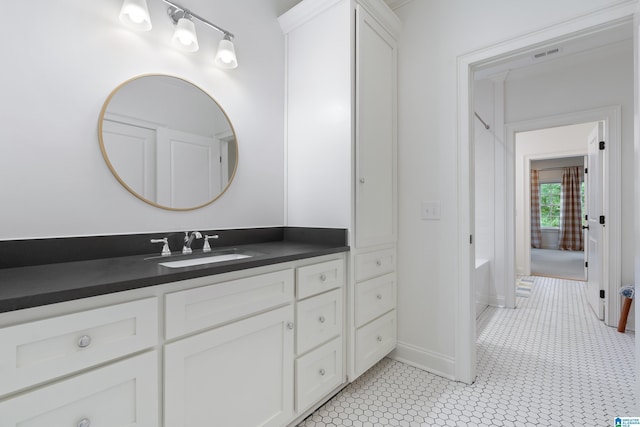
135,14
226,56
184,37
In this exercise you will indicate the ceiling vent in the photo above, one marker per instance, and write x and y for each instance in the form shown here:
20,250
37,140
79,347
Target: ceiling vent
546,53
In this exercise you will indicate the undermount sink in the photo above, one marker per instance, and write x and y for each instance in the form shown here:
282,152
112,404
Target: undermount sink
213,258
205,260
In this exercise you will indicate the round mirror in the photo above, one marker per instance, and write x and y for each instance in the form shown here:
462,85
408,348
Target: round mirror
168,142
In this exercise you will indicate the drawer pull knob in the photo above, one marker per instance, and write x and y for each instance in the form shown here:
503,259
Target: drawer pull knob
323,277
290,325
322,372
378,263
321,319
379,296
85,422
379,338
84,342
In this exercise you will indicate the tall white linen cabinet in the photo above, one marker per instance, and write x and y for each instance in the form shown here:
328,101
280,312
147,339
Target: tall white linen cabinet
341,152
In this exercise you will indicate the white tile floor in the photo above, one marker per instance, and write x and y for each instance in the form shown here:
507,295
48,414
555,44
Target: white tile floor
549,362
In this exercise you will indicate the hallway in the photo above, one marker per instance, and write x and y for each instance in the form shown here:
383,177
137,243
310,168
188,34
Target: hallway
549,362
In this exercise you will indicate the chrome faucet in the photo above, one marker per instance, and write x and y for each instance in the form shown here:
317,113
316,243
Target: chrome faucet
188,240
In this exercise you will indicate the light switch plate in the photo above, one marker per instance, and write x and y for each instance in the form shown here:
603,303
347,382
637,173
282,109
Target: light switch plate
430,210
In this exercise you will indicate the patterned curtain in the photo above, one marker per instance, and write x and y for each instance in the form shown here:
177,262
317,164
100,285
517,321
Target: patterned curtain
570,211
536,236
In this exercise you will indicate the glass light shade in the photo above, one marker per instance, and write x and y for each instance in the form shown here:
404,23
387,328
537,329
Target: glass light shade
135,14
185,37
226,56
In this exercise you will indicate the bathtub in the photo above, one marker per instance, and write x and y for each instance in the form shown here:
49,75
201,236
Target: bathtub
481,281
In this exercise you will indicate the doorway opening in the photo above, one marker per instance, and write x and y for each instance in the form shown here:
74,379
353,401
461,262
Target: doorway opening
550,240
470,67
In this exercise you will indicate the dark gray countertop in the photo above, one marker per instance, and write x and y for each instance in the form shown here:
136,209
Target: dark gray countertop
32,286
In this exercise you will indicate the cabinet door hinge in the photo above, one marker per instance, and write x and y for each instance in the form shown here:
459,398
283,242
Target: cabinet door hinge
586,264
602,219
602,294
601,145
586,170
471,239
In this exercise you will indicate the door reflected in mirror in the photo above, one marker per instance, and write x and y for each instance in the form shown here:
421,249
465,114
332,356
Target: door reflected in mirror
168,142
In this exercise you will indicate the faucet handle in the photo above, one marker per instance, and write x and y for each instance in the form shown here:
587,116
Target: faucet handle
206,247
165,248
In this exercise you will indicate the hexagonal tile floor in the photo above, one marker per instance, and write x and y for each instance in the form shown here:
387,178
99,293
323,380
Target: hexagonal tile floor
549,362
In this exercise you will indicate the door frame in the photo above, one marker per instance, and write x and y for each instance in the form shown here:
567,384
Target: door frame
465,328
611,265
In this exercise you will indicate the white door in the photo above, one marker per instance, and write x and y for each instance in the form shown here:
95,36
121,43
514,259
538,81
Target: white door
132,151
188,168
375,141
595,210
585,226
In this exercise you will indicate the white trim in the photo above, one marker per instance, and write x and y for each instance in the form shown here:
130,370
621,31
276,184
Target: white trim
636,163
424,359
464,328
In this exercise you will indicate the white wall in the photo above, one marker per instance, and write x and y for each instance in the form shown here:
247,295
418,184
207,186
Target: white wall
435,34
63,59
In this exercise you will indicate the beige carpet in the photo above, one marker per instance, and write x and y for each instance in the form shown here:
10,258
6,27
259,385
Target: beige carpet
560,264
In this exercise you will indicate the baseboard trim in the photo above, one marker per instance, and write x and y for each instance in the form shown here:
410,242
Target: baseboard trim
497,301
430,361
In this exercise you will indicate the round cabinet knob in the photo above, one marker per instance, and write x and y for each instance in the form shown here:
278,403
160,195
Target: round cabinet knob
84,342
378,263
321,319
323,277
362,180
379,338
290,325
379,296
85,422
322,372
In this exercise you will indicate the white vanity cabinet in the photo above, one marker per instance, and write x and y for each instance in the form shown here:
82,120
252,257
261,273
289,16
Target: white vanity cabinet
256,347
240,373
319,365
79,368
341,61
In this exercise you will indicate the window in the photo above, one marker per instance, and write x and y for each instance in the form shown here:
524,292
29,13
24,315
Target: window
550,204
550,201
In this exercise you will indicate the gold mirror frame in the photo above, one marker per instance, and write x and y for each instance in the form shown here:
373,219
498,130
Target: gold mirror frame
113,168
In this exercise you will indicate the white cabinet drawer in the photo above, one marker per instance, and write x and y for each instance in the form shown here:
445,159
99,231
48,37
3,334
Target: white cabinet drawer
42,350
374,341
318,320
318,278
377,263
123,394
375,297
317,373
209,306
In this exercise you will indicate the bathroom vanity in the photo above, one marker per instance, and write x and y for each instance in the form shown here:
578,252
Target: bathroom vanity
235,344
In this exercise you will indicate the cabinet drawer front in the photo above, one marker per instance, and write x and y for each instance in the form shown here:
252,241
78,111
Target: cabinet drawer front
42,350
123,394
317,373
375,297
374,264
374,341
209,306
318,278
318,320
